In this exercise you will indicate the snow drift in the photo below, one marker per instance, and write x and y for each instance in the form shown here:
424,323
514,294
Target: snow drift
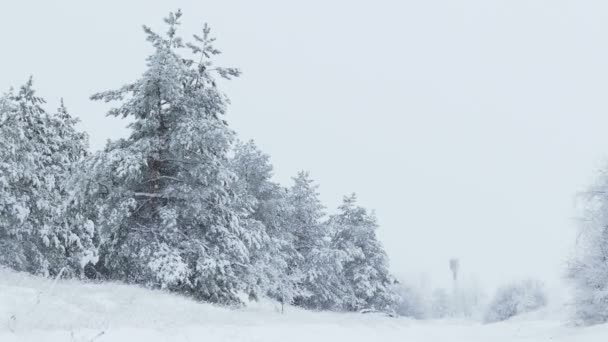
41,309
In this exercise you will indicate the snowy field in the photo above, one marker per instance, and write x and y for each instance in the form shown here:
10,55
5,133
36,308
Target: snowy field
34,309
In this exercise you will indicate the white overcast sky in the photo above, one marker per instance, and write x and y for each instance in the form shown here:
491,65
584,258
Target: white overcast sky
469,126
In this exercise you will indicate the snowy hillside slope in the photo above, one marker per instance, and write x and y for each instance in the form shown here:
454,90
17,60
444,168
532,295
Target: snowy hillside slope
35,309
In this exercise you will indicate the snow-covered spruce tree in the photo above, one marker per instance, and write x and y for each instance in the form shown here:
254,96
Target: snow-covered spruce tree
263,209
588,268
41,230
314,261
165,209
365,263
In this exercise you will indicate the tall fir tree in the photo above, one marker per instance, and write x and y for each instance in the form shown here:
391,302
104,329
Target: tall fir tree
165,213
263,206
39,230
314,262
365,264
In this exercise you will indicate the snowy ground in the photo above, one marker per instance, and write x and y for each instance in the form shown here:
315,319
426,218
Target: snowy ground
34,309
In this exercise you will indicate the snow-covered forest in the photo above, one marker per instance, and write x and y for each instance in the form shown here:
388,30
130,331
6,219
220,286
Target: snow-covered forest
183,221
180,204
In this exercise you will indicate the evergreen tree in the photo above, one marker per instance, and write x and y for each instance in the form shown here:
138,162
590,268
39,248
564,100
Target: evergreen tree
365,264
166,213
263,207
314,262
39,231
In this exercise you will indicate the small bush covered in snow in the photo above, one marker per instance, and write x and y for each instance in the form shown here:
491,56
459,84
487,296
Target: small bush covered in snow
515,299
410,302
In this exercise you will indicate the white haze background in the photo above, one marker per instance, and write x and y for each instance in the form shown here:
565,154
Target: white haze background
469,126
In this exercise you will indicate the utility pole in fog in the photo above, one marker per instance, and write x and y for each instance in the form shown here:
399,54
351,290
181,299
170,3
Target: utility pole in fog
454,267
